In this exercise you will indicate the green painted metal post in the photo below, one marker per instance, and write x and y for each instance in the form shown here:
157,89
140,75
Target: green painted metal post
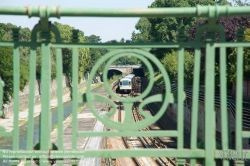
32,77
16,78
209,100
223,93
239,94
45,121
75,70
180,112
195,102
59,72
74,96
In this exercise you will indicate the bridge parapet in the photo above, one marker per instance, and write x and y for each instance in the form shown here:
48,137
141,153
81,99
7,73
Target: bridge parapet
208,153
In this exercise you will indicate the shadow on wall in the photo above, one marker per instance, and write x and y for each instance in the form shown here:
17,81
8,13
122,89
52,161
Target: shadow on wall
138,72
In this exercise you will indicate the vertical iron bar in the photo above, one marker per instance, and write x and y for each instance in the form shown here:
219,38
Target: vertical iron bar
195,102
45,118
239,89
32,78
209,105
223,98
74,96
16,85
59,72
180,98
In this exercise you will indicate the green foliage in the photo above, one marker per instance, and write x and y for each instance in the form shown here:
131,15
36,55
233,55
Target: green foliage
24,35
232,58
115,78
6,72
95,53
165,29
6,63
158,79
127,60
83,53
144,27
170,62
240,3
39,65
6,32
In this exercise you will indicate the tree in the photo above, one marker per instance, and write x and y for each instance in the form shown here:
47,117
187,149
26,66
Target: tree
144,27
232,65
170,63
122,40
230,25
165,29
6,73
83,53
127,60
6,62
95,53
240,3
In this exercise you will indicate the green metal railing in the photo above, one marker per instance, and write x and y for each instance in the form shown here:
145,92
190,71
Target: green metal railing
140,51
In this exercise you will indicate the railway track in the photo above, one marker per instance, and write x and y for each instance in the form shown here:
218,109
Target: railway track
152,142
145,142
136,143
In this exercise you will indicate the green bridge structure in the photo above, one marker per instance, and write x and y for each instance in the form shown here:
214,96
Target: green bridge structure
209,154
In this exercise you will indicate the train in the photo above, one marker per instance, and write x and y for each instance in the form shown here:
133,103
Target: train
126,84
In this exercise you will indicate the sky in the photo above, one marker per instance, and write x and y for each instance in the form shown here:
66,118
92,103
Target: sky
106,28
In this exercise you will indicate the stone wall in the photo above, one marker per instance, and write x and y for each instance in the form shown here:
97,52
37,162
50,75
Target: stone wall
24,95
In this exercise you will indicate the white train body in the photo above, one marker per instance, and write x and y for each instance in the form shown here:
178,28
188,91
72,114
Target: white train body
126,83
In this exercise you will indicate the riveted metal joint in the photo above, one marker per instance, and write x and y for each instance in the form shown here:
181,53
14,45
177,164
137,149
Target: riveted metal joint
210,36
15,34
46,35
181,37
75,36
240,34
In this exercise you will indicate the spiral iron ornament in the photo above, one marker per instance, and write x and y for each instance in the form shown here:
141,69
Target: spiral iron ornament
129,124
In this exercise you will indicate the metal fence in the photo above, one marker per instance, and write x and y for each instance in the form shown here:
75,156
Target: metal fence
140,51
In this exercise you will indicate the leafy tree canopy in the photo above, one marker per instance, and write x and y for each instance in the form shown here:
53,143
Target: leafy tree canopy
170,62
230,26
83,53
6,72
165,29
95,53
232,64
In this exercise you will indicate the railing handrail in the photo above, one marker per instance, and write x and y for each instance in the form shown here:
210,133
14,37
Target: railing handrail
198,11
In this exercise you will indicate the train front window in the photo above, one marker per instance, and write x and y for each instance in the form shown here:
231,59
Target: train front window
125,83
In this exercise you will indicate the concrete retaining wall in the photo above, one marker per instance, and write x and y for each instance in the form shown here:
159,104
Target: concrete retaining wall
24,95
171,113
